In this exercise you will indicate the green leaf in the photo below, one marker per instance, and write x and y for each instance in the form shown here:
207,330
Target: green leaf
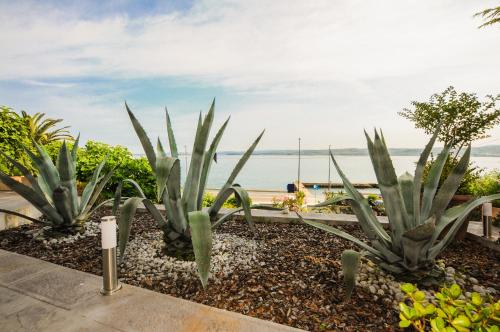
404,323
333,201
455,291
450,185
244,198
432,182
201,235
67,173
437,324
208,159
143,137
62,202
417,179
171,136
461,323
192,184
89,188
476,299
419,296
406,187
408,288
127,213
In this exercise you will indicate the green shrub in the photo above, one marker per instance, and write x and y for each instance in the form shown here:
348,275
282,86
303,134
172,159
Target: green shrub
472,174
488,184
452,312
137,169
295,203
13,136
231,203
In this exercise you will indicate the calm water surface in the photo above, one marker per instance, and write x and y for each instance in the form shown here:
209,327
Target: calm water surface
274,172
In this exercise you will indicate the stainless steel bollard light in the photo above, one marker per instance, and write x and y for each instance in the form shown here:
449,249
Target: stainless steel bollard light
487,219
110,282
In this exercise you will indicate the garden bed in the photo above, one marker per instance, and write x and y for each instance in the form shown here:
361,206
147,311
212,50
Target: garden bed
285,273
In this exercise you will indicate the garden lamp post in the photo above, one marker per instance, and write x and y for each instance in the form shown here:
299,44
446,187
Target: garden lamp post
110,283
298,175
487,219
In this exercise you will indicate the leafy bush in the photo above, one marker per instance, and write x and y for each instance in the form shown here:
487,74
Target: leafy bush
472,174
488,184
128,167
295,203
13,136
452,312
231,203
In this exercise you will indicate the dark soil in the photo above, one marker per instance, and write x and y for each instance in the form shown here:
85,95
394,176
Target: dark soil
295,284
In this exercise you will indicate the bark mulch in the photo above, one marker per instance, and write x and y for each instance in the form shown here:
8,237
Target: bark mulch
295,283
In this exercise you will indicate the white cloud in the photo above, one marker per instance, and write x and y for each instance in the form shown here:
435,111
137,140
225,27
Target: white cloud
324,69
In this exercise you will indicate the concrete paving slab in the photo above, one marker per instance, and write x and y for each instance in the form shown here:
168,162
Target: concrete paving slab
13,268
61,299
56,286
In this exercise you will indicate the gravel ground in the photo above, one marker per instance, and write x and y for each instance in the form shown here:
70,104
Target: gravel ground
285,273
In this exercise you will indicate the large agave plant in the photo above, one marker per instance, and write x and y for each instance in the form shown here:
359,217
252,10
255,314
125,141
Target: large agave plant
54,191
186,227
417,220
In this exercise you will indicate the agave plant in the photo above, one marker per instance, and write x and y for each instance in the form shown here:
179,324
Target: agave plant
187,229
54,191
421,226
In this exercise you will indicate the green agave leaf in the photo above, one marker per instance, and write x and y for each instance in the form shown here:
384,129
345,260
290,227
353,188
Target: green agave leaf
237,210
62,202
333,201
191,187
97,191
350,264
417,179
343,235
367,220
234,173
32,180
171,137
455,216
242,194
45,167
389,187
164,166
415,242
158,217
89,188
406,187
74,150
450,185
430,186
125,223
143,137
207,163
67,173
38,201
201,235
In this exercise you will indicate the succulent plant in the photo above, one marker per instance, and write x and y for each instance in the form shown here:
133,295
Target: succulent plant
54,191
187,229
350,265
421,226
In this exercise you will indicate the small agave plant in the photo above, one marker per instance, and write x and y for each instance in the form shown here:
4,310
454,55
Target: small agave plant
54,191
187,229
417,220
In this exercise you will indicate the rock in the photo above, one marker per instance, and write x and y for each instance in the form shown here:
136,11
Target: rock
473,280
479,289
450,271
372,289
380,292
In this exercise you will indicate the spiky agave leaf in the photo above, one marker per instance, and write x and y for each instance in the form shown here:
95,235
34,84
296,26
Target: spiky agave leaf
207,162
450,185
171,136
417,178
66,167
192,184
242,195
406,187
432,182
237,210
89,188
389,187
214,209
143,137
201,235
350,264
35,198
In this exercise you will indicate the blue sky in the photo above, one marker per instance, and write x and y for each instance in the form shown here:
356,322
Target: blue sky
322,70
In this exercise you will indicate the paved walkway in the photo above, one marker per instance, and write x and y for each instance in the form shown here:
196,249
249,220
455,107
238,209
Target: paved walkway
40,296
